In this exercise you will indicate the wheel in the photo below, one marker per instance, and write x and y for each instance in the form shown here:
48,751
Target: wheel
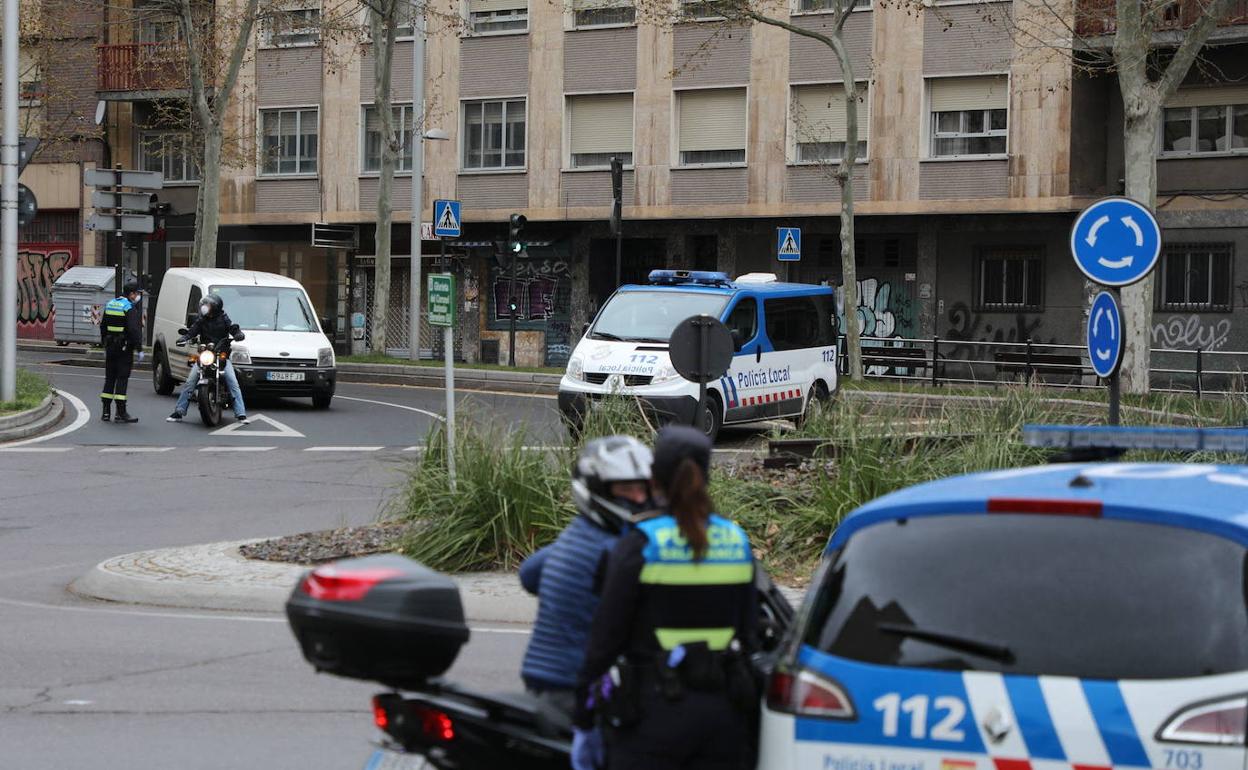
62,343
162,381
209,404
712,418
321,399
817,398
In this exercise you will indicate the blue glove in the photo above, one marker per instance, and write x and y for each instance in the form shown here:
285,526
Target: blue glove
141,356
588,751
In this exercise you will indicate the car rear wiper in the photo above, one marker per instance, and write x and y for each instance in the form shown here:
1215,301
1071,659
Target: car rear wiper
983,649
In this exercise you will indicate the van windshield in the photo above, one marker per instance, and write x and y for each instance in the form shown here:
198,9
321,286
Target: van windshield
267,308
650,316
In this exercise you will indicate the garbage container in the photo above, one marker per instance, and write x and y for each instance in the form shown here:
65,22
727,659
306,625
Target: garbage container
78,299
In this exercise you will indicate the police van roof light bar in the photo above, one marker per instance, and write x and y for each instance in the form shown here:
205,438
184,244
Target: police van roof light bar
1150,438
700,277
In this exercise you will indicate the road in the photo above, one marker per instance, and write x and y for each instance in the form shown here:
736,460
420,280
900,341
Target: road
85,684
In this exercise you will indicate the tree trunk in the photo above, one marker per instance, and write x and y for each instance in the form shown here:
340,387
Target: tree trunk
1140,170
849,268
381,23
207,208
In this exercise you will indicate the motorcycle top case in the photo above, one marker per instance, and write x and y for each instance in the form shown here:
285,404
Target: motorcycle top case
380,618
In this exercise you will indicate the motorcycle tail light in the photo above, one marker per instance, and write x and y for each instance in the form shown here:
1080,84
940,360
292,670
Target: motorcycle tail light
380,717
436,725
804,693
1219,723
331,584
412,723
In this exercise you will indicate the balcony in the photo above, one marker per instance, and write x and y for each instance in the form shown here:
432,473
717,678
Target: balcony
140,71
1096,18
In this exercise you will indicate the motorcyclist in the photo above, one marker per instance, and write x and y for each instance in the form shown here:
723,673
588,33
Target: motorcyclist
610,486
212,326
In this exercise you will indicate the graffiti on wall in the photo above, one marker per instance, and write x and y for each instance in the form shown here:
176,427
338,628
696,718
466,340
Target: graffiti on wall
1191,332
543,292
968,325
38,267
885,309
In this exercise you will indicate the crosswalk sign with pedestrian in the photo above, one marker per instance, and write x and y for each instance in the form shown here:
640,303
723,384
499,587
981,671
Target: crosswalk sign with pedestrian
789,244
446,221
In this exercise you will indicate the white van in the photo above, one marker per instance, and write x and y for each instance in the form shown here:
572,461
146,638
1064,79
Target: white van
784,335
285,353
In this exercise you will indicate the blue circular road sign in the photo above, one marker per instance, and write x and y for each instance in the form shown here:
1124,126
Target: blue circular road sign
1116,241
1105,335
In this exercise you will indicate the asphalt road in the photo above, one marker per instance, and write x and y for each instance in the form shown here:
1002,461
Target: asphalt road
86,684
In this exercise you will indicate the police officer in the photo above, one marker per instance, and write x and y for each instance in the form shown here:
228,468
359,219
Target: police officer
667,665
121,333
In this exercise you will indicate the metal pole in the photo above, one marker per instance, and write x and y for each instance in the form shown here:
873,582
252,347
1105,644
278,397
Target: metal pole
418,173
8,210
1115,388
1199,388
448,345
703,364
619,256
935,358
513,306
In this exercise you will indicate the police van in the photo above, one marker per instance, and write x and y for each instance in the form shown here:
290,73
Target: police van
784,338
1060,617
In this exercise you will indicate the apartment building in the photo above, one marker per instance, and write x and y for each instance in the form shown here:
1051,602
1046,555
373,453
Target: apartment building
974,156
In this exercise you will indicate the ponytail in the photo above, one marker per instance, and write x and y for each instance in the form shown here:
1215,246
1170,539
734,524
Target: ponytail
690,504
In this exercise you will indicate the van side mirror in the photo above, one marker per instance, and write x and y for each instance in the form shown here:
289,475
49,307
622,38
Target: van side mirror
326,324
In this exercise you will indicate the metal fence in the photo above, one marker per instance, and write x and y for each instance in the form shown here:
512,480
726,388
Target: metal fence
935,361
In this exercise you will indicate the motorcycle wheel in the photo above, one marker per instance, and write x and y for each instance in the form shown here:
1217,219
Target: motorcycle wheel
209,404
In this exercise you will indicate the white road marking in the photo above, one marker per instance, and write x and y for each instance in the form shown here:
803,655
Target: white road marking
80,419
238,448
136,449
37,449
78,702
425,412
344,448
278,429
414,449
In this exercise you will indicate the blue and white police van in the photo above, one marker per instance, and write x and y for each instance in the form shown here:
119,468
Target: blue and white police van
1059,617
784,336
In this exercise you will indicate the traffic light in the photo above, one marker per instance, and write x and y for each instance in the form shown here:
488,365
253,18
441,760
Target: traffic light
617,194
515,234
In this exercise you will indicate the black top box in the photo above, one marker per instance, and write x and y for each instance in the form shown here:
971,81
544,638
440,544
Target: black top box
380,618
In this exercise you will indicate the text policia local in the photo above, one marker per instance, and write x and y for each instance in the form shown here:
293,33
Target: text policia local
753,378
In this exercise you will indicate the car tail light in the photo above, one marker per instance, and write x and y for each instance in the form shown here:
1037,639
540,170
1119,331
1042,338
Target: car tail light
331,584
805,693
1090,508
1220,723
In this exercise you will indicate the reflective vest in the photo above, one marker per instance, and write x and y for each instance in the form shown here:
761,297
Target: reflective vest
686,601
115,315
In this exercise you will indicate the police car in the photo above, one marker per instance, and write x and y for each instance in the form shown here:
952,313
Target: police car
784,336
1061,617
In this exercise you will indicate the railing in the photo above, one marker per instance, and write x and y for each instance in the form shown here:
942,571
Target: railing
141,67
937,361
1094,18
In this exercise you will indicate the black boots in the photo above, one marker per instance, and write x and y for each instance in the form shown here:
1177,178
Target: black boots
108,408
122,414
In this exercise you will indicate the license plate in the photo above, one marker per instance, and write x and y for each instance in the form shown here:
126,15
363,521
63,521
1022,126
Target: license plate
285,376
384,759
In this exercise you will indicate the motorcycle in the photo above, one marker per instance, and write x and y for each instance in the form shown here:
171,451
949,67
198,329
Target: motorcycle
390,620
211,394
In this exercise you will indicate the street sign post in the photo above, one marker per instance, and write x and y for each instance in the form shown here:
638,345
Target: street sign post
441,303
789,244
701,351
446,220
125,223
1116,241
109,177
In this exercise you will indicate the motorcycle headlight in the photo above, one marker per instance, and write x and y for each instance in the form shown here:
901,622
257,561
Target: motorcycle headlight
206,357
325,357
240,356
666,374
576,368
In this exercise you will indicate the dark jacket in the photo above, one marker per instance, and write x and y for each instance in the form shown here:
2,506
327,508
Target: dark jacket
131,336
214,328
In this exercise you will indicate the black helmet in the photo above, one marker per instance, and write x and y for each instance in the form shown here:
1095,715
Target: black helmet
215,305
676,443
130,287
604,462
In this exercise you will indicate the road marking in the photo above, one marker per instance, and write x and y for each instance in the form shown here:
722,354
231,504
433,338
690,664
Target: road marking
238,448
425,412
33,449
78,702
136,449
80,419
414,449
344,448
279,429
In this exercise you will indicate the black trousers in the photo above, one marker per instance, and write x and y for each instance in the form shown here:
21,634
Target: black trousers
700,731
118,361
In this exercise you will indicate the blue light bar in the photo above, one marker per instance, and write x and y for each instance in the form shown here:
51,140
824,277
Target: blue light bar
1117,437
702,277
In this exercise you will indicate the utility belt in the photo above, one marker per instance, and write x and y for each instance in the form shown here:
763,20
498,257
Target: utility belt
671,675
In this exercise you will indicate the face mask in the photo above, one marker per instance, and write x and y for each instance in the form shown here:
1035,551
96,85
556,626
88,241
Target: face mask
205,309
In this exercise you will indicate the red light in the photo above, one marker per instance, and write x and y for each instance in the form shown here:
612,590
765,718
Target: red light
380,717
807,694
436,724
331,584
1221,723
1090,508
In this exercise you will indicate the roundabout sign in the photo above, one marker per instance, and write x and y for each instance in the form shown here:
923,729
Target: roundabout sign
1116,241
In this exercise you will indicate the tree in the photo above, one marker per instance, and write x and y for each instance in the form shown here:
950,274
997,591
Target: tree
736,12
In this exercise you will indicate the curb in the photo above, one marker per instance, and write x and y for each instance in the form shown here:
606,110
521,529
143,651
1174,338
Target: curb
32,422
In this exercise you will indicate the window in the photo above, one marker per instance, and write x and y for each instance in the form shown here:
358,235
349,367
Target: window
650,316
192,305
712,126
494,134
599,127
1050,589
818,6
700,9
498,16
288,141
160,29
373,137
819,126
171,153
1011,280
1196,277
297,26
743,322
799,322
1205,120
603,13
969,116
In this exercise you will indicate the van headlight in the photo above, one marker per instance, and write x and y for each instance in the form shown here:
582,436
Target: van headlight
240,356
576,368
666,374
325,357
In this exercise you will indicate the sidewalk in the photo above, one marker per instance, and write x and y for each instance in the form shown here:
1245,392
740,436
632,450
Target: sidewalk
216,576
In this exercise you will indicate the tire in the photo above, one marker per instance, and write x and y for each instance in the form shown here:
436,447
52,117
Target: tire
818,395
162,380
712,417
62,343
209,404
321,399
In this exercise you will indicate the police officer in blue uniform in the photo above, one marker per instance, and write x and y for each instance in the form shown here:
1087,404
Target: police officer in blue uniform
667,669
121,334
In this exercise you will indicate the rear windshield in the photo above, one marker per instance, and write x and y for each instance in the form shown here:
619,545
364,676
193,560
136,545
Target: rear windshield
267,308
650,316
1066,596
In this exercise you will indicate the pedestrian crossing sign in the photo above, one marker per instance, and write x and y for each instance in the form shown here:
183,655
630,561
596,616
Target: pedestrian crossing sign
446,221
789,244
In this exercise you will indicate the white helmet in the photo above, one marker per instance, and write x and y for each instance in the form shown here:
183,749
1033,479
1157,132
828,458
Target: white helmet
604,462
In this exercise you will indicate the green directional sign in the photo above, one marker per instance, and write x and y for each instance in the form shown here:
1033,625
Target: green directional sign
441,300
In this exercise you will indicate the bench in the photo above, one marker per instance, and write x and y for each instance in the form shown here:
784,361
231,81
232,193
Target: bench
1040,364
896,358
